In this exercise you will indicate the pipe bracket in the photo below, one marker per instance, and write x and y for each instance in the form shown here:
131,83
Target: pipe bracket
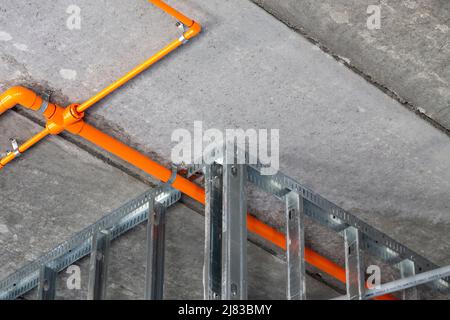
15,148
181,26
45,102
183,40
44,106
172,177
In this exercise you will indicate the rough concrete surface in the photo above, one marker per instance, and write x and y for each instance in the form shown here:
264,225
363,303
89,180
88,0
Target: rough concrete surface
340,135
409,55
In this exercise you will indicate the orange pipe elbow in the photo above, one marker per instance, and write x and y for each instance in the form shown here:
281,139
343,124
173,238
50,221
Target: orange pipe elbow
193,31
22,96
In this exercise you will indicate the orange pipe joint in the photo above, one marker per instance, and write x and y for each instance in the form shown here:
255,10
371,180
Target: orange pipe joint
21,96
193,31
60,119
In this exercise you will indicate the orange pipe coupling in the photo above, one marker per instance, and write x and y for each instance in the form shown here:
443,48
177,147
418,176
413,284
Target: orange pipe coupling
71,119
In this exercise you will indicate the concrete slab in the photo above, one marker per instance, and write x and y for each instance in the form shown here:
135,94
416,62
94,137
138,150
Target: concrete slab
408,55
339,135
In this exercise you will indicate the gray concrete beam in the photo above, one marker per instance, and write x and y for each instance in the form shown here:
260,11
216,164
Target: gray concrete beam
408,55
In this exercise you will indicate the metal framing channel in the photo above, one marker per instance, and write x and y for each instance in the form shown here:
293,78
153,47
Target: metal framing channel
326,213
409,282
213,232
407,269
47,283
234,233
118,222
156,234
295,235
98,266
354,264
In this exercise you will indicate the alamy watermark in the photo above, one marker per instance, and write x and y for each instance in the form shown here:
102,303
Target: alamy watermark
374,279
374,19
206,146
74,20
74,280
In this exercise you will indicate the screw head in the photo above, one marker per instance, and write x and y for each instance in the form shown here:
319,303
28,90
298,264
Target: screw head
99,256
234,290
291,214
46,285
